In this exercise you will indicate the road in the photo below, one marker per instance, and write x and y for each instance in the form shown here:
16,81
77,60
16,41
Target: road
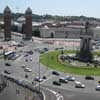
51,92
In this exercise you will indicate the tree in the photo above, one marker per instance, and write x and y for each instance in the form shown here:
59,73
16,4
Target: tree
36,33
52,35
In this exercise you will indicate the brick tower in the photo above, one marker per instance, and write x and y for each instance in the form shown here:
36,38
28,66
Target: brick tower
28,24
7,24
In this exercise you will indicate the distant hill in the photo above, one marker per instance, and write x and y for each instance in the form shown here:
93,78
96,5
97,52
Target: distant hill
36,17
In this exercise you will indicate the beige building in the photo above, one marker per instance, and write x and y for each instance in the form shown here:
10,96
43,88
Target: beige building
71,31
62,32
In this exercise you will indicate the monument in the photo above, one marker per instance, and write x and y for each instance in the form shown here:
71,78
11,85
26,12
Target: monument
86,45
7,24
28,24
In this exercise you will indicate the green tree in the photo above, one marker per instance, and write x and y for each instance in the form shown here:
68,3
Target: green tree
36,33
52,35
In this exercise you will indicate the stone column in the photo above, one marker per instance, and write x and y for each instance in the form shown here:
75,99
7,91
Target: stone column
7,24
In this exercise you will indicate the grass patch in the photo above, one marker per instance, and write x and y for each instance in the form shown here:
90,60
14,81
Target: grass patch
51,61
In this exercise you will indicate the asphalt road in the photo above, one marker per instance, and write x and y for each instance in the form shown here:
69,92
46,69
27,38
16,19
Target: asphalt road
68,91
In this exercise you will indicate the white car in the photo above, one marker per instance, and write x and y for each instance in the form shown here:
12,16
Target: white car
23,66
70,78
63,80
30,59
97,88
38,79
27,69
79,84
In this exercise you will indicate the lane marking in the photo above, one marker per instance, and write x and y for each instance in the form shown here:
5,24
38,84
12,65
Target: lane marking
58,96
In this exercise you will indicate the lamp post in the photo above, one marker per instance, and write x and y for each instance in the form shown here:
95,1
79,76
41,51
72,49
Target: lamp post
39,73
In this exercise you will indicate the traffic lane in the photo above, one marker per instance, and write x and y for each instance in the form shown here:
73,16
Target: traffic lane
34,64
73,95
48,95
90,85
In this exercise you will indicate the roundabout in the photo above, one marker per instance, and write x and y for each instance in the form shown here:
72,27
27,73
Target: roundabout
52,61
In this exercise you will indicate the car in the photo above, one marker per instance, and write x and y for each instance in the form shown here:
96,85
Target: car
44,77
26,60
38,79
27,69
70,78
60,48
26,76
79,84
55,73
7,64
97,88
41,51
37,49
89,78
63,80
26,55
56,83
45,49
7,71
30,52
23,66
30,59
98,82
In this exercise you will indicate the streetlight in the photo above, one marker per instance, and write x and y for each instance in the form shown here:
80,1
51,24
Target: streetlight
39,73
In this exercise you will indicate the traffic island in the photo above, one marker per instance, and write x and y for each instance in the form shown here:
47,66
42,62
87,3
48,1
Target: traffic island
51,60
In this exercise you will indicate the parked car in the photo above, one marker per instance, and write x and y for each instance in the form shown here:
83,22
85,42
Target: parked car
7,64
7,71
97,88
79,84
38,79
89,78
55,73
70,78
27,69
63,80
56,83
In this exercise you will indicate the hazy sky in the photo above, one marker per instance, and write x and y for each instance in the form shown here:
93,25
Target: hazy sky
55,7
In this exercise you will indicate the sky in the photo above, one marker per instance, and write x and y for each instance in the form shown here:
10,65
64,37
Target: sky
90,8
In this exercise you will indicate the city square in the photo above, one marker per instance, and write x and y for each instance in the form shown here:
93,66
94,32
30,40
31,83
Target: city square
48,59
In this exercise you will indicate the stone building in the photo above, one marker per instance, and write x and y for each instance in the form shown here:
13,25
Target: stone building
61,32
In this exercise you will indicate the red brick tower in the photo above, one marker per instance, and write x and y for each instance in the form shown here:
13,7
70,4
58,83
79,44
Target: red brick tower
7,24
28,24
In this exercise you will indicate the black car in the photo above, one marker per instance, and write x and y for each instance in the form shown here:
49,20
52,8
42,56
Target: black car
55,73
44,77
45,49
62,80
89,78
99,82
7,64
7,71
57,83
